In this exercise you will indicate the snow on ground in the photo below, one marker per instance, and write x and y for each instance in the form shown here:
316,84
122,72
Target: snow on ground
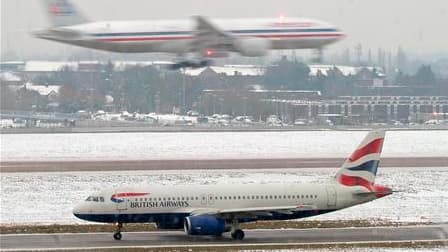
209,145
435,249
50,197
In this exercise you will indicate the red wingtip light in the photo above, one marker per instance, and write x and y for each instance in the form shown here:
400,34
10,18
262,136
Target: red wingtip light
209,52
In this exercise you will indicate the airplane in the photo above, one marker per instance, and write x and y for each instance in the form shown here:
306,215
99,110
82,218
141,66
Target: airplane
199,36
211,210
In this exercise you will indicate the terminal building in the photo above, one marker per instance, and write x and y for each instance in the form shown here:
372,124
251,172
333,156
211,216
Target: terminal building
312,106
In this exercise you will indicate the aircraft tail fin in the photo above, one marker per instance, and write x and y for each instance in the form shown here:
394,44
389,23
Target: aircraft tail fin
63,13
361,167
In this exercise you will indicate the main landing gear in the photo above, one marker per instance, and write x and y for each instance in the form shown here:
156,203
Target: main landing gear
190,64
236,233
117,232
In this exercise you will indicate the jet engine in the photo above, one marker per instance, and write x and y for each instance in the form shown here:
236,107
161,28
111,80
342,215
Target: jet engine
252,47
205,225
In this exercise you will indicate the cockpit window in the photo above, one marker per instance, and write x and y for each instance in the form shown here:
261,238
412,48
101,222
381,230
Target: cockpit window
95,199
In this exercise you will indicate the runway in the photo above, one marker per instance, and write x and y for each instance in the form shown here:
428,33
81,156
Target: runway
437,233
209,164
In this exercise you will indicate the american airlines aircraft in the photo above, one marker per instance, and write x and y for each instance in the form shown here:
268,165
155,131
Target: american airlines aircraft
199,36
212,210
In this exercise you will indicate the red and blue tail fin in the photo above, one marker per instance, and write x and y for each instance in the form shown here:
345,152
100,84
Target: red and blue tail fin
63,13
361,167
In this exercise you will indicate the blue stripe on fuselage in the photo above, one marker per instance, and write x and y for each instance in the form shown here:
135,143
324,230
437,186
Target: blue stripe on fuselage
370,166
249,32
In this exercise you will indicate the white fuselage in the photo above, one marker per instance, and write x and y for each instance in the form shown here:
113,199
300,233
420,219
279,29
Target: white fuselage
169,205
177,36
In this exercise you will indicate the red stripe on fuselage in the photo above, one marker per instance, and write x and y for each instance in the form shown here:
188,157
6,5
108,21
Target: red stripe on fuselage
331,35
124,195
371,148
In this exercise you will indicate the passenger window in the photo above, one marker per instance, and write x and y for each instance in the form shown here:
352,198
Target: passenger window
95,199
197,198
101,199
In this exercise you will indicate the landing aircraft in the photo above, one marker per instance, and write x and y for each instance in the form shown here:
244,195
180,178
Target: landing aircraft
211,210
203,38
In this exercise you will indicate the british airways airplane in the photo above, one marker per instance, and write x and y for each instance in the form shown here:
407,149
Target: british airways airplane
199,36
212,210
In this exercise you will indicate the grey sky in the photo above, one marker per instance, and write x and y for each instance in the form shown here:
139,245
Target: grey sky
419,26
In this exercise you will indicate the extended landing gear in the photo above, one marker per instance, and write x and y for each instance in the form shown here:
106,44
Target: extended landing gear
117,233
236,233
190,64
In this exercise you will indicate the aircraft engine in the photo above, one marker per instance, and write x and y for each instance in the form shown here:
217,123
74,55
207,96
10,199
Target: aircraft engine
252,47
205,225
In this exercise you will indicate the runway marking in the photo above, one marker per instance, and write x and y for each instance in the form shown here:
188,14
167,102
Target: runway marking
445,241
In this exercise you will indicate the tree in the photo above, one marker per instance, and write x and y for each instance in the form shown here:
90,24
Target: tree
424,76
287,74
139,88
7,98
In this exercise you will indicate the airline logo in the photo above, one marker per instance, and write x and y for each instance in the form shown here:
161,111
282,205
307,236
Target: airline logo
61,8
362,167
120,197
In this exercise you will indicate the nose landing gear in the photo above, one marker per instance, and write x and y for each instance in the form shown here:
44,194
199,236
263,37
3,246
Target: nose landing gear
117,232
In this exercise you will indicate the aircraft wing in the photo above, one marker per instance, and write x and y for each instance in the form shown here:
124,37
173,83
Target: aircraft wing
59,34
254,211
208,36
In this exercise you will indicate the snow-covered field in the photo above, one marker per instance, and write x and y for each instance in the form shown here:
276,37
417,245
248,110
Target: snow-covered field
132,146
436,249
50,197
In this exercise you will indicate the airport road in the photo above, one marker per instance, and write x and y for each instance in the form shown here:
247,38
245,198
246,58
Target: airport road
437,233
123,165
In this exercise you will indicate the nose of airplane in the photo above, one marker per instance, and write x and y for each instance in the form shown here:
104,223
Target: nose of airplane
78,210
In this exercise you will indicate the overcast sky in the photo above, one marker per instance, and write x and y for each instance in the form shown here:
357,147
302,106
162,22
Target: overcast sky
419,26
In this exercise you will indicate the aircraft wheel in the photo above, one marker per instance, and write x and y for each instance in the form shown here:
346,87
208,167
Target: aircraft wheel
238,234
117,236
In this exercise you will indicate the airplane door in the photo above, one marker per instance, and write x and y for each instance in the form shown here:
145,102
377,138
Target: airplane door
204,199
211,199
331,196
122,204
